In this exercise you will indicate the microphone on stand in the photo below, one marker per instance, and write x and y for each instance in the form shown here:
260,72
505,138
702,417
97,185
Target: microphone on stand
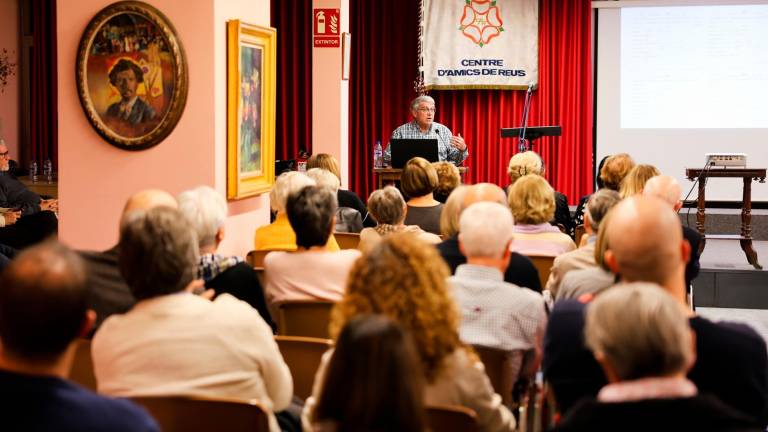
521,145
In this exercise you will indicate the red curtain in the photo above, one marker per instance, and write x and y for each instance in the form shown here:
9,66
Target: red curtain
293,21
44,90
384,58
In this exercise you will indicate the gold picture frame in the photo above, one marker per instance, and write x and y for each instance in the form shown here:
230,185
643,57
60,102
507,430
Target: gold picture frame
251,89
132,76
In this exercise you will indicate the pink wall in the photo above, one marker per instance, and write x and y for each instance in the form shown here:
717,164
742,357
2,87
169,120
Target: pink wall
96,178
9,99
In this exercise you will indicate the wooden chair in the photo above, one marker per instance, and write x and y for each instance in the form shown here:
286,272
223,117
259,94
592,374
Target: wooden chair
579,233
347,240
302,355
197,414
502,368
451,418
82,366
308,318
543,265
256,258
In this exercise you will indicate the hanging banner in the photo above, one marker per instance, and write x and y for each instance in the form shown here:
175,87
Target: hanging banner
479,44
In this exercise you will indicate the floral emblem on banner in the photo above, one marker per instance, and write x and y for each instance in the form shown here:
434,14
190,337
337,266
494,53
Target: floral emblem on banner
481,21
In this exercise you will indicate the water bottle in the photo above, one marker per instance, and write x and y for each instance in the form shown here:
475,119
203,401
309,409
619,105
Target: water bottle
378,155
48,171
33,171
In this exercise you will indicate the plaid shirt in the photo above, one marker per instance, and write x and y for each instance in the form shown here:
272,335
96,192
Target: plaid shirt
211,265
445,150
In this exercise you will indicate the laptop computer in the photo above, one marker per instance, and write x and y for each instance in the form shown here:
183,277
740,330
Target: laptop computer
404,149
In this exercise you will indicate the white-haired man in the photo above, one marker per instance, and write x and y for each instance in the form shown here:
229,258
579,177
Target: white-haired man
495,314
206,210
450,148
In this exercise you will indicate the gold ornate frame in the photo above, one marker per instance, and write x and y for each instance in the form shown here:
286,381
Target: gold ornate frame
181,79
242,185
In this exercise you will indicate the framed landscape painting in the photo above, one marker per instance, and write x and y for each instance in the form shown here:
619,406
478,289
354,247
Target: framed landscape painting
251,63
131,75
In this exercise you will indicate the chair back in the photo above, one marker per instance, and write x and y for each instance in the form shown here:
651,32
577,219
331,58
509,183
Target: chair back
543,265
579,233
195,414
347,240
302,355
255,258
502,368
309,318
82,366
451,418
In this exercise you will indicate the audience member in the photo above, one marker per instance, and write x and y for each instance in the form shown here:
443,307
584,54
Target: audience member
346,198
667,189
494,313
26,219
373,380
206,211
592,280
388,207
584,257
640,336
348,220
174,342
636,179
109,293
532,202
419,181
449,217
530,162
404,279
614,170
448,179
279,235
520,271
43,309
312,272
645,244
578,215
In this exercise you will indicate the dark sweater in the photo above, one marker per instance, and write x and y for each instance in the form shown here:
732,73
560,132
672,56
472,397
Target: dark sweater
242,281
347,198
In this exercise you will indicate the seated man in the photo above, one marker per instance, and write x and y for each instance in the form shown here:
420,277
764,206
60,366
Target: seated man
109,294
25,219
206,210
43,310
640,336
520,270
584,257
313,272
645,244
495,314
174,342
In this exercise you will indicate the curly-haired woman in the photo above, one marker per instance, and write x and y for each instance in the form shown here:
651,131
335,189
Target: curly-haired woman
405,279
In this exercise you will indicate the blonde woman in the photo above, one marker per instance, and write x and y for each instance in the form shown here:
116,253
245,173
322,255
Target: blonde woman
405,280
636,178
614,170
346,198
532,201
448,179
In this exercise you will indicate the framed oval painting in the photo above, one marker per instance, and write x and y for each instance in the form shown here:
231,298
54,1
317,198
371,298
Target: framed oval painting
131,75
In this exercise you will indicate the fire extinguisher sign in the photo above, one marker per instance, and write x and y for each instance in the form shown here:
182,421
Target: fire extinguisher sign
326,24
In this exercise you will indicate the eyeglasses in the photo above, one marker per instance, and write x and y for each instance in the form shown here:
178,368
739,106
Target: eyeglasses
4,154
425,110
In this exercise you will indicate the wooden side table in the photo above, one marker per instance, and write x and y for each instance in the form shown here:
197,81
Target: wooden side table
41,186
388,175
747,174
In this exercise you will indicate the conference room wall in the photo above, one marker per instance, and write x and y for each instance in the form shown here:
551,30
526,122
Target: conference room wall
9,98
96,178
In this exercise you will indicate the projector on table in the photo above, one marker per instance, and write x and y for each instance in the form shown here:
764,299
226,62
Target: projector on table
727,159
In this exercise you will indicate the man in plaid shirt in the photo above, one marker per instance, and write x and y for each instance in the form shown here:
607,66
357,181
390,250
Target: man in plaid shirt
449,148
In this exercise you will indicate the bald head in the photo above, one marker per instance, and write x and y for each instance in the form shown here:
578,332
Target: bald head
666,188
645,243
484,192
147,199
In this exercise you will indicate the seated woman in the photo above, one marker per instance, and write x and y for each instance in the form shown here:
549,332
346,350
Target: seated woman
529,162
448,179
347,198
348,220
636,178
404,279
614,170
419,181
532,202
312,272
388,207
279,235
642,339
373,380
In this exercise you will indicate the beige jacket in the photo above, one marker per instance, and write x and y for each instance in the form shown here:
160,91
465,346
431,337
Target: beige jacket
581,258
